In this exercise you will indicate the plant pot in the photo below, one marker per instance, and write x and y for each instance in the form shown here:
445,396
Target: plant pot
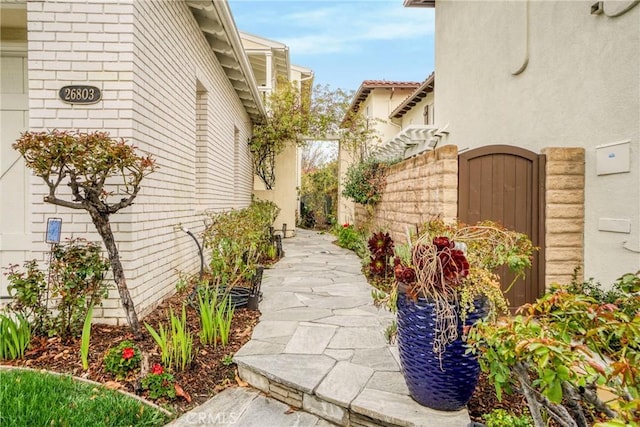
444,383
253,301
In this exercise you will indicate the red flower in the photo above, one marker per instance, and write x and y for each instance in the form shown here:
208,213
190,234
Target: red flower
346,225
378,265
454,265
128,353
442,242
157,369
404,274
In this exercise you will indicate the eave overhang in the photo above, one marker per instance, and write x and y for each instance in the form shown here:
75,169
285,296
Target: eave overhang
421,92
419,3
217,24
279,52
365,89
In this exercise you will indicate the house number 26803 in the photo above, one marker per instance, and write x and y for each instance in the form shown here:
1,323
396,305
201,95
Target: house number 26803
79,94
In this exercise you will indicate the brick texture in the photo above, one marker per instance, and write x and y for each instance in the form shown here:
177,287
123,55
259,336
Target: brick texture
418,189
147,57
564,213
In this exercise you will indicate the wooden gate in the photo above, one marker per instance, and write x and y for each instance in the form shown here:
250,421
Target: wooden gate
505,184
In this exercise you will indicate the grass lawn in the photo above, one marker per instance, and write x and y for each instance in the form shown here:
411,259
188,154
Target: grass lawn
31,398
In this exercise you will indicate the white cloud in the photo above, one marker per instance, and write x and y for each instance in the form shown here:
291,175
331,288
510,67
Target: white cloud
328,27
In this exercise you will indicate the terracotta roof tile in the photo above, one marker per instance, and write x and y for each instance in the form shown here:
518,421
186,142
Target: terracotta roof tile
389,83
368,85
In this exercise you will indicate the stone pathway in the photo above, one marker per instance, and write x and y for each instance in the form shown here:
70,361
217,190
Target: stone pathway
320,348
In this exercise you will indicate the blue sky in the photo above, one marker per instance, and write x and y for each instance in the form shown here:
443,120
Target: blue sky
346,42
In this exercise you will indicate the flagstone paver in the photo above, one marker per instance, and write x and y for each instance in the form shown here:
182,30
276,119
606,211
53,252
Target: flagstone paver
243,407
334,361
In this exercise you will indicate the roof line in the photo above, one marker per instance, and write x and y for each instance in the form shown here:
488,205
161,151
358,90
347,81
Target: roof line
224,12
415,97
368,85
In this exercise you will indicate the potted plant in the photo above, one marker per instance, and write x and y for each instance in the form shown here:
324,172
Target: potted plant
445,280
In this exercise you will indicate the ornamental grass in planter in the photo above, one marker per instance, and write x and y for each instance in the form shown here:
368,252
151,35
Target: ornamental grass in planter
445,280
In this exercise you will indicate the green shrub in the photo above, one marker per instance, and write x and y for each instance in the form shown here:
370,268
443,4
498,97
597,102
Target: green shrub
563,348
237,240
501,418
624,293
122,359
28,290
14,337
76,283
365,181
352,239
159,383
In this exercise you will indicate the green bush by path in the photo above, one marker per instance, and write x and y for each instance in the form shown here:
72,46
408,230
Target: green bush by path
30,398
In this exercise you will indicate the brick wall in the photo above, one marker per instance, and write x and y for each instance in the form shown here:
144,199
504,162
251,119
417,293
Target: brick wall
564,213
147,57
418,189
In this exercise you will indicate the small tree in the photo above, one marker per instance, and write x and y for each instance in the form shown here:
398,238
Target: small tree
286,121
319,195
96,168
295,115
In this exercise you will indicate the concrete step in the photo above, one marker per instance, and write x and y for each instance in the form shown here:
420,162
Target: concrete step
247,407
370,407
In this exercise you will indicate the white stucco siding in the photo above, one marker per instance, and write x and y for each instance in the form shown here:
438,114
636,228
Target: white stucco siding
381,102
147,58
415,116
580,88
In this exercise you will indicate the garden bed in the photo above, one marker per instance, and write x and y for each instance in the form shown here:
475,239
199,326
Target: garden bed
210,372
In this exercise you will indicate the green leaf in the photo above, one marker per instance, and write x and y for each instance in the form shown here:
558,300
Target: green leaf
554,392
563,372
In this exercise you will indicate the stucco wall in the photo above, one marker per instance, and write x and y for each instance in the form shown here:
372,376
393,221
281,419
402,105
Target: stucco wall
579,89
418,189
147,58
379,104
415,116
285,191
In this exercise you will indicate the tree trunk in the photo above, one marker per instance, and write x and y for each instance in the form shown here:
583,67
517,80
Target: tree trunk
101,221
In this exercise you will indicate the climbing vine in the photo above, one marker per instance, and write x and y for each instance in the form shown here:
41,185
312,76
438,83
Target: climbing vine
295,115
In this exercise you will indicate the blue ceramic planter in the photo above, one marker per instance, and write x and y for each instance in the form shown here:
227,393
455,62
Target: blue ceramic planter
446,384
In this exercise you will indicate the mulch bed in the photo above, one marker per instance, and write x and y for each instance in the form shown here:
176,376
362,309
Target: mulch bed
484,400
206,376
